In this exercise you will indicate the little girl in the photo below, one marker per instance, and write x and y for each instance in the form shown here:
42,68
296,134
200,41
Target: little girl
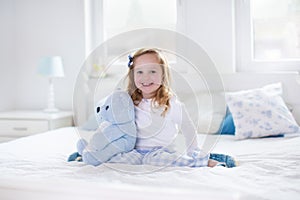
159,115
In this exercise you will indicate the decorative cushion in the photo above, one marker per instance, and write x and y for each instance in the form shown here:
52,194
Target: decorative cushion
260,112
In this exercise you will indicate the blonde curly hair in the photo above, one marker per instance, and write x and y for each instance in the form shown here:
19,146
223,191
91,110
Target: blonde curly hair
163,94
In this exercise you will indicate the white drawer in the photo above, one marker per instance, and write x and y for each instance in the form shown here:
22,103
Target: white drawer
14,128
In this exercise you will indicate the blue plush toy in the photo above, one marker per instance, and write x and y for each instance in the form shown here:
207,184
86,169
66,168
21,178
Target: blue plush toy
116,132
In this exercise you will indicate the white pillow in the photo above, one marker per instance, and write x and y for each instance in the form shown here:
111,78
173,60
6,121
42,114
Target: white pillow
260,112
206,117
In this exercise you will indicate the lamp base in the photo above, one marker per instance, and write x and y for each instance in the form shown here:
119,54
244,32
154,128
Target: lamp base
51,106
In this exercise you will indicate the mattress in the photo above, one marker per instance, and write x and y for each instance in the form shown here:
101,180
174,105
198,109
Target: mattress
36,167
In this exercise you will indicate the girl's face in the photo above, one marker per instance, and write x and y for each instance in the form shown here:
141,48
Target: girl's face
147,74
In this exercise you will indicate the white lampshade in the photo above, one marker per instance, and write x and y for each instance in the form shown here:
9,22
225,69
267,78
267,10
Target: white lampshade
51,66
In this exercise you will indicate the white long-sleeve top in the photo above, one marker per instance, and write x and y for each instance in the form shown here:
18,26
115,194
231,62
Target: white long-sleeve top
154,130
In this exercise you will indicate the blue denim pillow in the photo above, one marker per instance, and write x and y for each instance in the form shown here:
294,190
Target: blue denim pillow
227,127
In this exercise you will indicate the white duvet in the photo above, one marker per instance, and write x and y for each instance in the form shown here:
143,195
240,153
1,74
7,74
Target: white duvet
35,167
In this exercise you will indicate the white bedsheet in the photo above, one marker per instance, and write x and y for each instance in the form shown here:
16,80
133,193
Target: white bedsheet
35,167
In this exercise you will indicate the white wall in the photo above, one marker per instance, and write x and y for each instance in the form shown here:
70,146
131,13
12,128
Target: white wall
7,56
41,28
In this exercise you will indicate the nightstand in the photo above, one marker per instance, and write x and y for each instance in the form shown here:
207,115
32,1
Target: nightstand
20,123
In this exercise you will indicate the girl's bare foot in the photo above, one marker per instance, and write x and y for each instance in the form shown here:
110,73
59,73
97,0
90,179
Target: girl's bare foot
212,163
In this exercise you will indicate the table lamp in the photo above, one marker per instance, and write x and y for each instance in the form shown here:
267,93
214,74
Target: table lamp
51,67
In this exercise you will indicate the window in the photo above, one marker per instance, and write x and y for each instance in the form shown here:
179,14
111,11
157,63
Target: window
107,18
268,35
121,16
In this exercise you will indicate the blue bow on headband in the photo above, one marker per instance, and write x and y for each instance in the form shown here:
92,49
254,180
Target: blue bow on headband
130,60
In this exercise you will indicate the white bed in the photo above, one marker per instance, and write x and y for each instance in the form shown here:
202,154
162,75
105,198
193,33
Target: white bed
36,167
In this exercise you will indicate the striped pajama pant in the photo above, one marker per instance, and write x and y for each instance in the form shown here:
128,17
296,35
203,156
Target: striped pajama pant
161,157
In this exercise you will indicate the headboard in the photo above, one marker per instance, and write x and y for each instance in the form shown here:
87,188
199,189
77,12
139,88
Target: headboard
99,88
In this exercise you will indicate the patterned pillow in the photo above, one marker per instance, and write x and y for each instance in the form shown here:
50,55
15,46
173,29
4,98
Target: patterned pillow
260,112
